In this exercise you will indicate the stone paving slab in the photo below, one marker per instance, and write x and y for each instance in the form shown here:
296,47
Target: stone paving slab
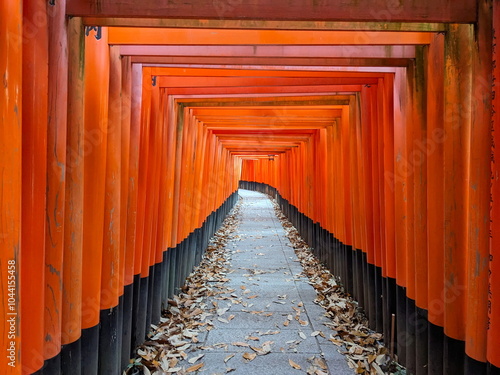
264,264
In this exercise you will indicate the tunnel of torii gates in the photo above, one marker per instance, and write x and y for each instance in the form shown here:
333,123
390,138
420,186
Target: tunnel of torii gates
128,126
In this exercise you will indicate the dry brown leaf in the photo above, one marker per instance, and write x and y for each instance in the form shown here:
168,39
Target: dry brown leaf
194,359
228,358
320,363
195,367
239,343
296,366
249,356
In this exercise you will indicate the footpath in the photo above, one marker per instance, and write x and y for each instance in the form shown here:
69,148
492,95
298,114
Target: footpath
268,322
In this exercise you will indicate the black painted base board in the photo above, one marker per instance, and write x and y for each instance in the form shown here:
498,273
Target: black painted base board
109,357
52,366
126,349
90,350
71,358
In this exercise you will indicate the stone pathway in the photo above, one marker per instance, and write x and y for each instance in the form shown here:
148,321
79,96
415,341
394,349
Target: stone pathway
269,307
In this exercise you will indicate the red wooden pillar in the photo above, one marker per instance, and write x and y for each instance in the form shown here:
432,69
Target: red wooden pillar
109,331
435,179
56,180
457,96
96,127
435,198
387,157
143,215
130,150
478,190
10,181
417,159
135,214
126,112
400,183
170,170
73,205
493,354
34,174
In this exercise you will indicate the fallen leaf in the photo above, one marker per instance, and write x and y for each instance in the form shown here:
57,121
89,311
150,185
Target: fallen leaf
249,356
194,359
195,367
239,343
294,365
228,358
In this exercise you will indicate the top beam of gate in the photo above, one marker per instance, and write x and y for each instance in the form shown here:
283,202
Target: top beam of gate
457,11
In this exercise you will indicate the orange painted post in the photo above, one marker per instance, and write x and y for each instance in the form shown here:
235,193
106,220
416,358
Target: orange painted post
407,297
410,208
34,174
133,185
199,149
170,174
166,203
373,282
184,193
56,168
179,124
109,358
154,291
96,126
361,248
73,207
367,259
126,277
399,182
388,281
479,194
354,175
380,270
135,218
435,198
11,183
457,97
144,206
417,159
388,169
493,354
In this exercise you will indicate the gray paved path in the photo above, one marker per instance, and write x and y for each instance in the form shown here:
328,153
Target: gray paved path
268,292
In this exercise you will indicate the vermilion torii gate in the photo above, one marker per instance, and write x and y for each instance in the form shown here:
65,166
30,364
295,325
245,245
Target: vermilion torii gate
126,127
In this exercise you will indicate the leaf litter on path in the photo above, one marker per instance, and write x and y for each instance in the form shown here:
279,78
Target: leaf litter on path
187,314
364,351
